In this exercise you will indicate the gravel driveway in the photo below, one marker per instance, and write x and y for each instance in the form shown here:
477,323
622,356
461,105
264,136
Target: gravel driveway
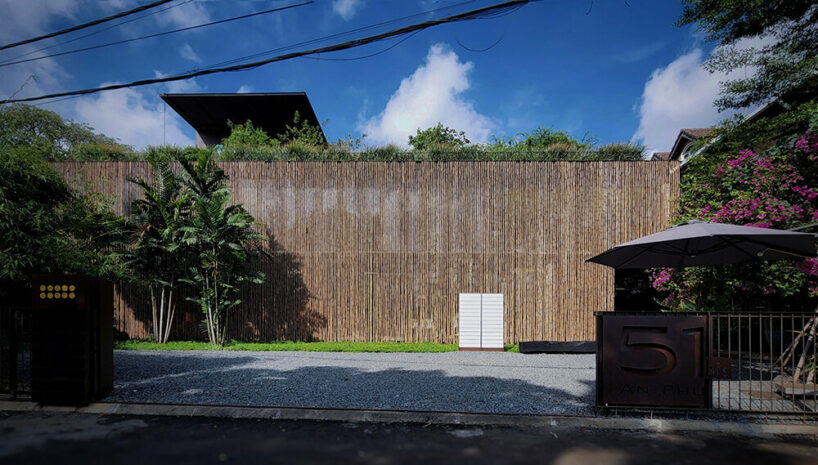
451,381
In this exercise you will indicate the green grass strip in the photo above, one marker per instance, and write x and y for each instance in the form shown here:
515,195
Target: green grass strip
293,346
512,348
300,346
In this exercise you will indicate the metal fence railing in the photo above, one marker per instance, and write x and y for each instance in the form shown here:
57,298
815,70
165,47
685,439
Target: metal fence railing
763,362
15,352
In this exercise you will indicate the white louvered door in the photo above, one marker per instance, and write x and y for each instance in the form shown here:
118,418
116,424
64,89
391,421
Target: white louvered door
481,321
491,327
470,321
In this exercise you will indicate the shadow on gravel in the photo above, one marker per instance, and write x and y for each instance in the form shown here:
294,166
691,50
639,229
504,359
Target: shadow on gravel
248,381
146,367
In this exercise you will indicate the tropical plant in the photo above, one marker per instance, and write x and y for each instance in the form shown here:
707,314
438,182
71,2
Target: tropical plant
246,142
779,189
622,151
546,144
439,137
541,138
47,227
302,142
223,241
303,132
158,257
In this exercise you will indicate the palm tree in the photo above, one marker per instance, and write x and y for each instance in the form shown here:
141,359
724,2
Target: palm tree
158,256
223,242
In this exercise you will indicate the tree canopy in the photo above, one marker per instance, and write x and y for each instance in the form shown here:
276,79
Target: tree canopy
438,137
46,227
786,59
760,172
55,138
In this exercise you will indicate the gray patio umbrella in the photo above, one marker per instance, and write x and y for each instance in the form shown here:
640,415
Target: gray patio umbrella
698,243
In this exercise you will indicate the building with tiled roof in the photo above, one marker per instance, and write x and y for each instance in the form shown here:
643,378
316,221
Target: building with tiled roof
684,140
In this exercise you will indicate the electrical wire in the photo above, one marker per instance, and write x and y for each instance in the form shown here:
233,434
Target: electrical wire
158,34
491,15
325,38
96,32
469,15
480,50
86,25
409,36
312,41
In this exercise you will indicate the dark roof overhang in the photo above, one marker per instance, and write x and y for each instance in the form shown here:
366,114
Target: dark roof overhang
209,113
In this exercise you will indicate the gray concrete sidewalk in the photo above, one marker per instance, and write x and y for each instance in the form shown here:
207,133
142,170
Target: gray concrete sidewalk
454,381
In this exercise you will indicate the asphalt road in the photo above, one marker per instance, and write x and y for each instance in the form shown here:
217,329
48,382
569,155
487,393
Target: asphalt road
70,438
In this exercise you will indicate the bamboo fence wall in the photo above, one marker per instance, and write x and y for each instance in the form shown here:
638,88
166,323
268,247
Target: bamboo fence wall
369,251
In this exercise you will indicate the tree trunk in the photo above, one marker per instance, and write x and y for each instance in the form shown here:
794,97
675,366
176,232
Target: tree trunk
171,311
155,322
159,333
211,336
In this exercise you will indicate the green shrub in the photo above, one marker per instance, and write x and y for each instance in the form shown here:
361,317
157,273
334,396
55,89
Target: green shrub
46,227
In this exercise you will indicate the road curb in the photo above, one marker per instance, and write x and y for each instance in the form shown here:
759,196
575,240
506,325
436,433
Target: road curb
436,418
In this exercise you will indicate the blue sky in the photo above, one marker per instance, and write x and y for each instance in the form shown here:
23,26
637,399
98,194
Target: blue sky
614,70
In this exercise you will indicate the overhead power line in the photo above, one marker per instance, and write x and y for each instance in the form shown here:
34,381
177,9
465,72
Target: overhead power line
158,34
474,14
338,35
408,36
86,25
98,31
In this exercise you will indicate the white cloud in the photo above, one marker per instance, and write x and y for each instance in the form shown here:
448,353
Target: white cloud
430,95
245,89
188,53
22,20
346,8
183,86
186,14
132,117
638,54
135,117
681,95
32,79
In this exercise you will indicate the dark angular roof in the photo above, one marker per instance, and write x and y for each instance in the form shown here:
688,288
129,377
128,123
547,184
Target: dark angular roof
685,138
208,113
661,156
